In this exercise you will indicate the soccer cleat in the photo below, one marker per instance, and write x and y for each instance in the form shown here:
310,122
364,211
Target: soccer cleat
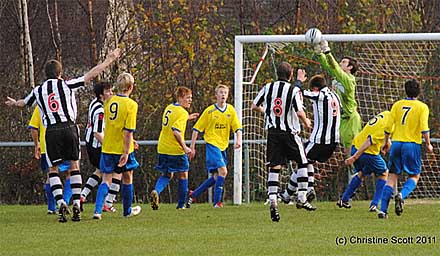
108,209
284,199
50,212
97,216
373,208
134,211
188,202
311,195
218,205
154,200
76,213
398,204
341,204
382,215
180,208
82,200
306,205
274,213
62,212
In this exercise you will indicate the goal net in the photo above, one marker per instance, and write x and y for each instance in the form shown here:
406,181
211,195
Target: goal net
386,61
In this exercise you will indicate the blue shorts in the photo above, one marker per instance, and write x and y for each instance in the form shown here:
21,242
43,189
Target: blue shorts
109,163
368,163
171,163
405,156
63,167
215,158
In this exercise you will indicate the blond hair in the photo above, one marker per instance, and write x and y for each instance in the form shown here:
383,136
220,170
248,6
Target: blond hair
125,82
221,86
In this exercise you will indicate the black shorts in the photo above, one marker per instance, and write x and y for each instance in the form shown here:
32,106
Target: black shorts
283,147
319,152
94,155
62,143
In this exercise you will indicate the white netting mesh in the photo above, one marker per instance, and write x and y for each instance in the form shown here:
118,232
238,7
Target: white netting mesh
384,67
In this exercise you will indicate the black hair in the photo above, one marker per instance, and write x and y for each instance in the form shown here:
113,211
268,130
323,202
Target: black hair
99,88
412,88
352,62
317,81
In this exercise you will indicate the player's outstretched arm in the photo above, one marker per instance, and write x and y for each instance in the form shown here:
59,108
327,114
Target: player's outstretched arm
10,102
111,57
359,152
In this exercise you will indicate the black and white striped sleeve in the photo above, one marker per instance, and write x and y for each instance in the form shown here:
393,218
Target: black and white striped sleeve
30,99
297,101
75,83
258,101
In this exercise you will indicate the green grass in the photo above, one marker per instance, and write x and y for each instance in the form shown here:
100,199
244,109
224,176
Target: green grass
233,230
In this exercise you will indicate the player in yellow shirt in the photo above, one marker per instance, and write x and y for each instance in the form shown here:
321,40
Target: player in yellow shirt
38,132
172,150
216,123
118,146
365,155
410,118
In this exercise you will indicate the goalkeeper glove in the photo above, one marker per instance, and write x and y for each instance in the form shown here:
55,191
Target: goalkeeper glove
317,48
324,46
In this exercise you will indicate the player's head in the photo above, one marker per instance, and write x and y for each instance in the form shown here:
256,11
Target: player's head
349,64
183,96
284,71
317,81
125,82
412,88
221,93
53,69
103,90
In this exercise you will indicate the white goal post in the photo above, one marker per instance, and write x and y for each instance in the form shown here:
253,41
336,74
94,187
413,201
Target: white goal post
242,40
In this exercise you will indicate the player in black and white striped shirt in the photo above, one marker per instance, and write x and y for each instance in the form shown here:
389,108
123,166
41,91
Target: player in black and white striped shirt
325,135
94,138
56,101
282,105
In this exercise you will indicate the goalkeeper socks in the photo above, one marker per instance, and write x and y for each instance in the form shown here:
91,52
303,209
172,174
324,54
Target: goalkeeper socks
56,187
127,198
92,182
100,196
386,196
112,192
75,183
273,183
218,189
380,183
408,187
292,187
49,197
161,183
67,193
303,181
354,184
205,185
182,193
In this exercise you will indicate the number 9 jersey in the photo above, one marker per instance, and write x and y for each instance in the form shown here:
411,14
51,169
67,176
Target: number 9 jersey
120,114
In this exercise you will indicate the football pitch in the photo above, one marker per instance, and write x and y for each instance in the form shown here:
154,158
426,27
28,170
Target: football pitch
232,230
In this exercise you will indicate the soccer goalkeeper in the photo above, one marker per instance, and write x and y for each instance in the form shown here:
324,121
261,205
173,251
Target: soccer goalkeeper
344,84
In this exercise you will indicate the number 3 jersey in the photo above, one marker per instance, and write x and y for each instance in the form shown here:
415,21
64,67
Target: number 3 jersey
281,101
120,114
174,118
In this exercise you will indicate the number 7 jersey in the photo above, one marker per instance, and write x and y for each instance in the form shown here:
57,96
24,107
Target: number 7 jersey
120,114
410,118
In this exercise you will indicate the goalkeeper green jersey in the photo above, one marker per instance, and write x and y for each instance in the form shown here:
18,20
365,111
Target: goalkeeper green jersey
344,84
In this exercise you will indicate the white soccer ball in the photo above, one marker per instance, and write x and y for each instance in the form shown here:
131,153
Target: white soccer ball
313,36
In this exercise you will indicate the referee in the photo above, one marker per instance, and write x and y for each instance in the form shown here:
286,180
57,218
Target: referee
282,105
56,101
